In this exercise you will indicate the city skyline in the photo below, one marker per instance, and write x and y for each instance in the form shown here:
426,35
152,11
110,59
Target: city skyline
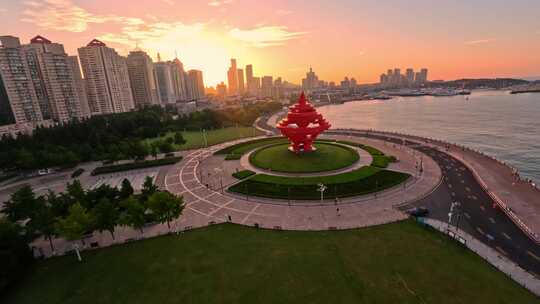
361,40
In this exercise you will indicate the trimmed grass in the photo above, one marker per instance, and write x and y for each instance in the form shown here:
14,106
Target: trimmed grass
327,157
396,263
380,160
243,174
195,140
358,182
136,165
242,148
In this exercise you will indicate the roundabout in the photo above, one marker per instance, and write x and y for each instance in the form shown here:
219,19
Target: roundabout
326,157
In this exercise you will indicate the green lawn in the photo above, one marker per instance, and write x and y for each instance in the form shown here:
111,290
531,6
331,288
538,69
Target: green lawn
240,149
327,157
194,139
243,174
359,182
395,263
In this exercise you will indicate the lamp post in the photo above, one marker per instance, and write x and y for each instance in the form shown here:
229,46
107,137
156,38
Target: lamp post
453,211
321,189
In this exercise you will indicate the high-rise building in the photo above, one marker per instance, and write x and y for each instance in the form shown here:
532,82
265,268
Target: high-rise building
255,86
267,85
18,100
410,76
423,76
196,83
80,85
278,88
232,77
221,90
383,79
241,86
164,79
396,77
345,83
142,77
252,85
179,80
311,81
53,79
107,79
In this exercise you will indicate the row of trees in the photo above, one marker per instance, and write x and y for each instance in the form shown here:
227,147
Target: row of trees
74,214
114,137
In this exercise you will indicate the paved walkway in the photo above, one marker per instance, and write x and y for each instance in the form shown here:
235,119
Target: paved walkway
365,160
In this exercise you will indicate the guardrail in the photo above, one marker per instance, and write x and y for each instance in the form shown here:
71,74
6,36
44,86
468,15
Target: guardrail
507,210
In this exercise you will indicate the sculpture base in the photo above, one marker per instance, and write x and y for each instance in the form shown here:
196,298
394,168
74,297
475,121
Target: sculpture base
301,151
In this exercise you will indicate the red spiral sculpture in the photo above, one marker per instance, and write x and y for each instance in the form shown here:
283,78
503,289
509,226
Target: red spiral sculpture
302,126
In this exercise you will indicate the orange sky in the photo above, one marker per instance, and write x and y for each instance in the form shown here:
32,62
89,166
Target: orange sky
361,39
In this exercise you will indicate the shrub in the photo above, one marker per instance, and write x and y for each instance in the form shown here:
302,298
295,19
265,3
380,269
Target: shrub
243,174
77,173
136,165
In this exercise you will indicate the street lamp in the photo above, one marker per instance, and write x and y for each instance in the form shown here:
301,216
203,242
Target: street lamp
453,211
321,189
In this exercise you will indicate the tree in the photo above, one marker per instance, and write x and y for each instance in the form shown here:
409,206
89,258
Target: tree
43,221
154,149
165,206
179,139
15,256
106,216
126,189
138,150
76,224
148,188
21,204
165,146
76,191
134,213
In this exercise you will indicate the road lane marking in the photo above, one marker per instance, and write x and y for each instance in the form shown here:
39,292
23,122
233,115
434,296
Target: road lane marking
468,189
492,220
533,255
467,215
480,231
450,186
506,236
499,249
482,208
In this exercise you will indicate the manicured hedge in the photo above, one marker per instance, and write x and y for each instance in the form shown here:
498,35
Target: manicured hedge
306,189
77,173
243,174
136,165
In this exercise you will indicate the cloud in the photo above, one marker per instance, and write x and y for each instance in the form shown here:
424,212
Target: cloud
265,36
282,12
481,41
64,15
219,3
3,10
169,2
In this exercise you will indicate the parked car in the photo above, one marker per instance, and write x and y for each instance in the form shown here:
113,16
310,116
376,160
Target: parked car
418,211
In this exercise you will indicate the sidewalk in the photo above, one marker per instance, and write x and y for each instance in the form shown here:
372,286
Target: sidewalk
493,257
